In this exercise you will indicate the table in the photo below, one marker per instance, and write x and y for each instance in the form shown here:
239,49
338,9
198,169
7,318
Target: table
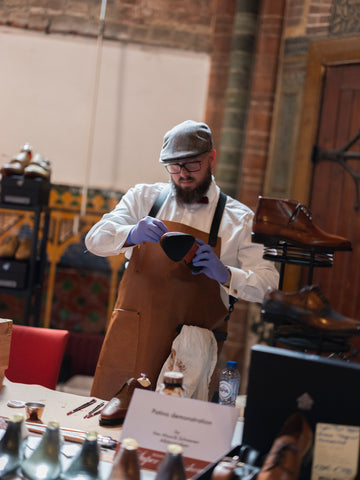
57,404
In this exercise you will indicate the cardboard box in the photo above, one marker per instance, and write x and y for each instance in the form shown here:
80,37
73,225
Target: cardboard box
13,273
5,340
18,190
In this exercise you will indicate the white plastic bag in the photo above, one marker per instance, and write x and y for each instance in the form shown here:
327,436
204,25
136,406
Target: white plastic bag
193,353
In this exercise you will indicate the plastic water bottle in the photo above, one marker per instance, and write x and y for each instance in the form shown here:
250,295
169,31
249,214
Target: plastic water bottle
229,383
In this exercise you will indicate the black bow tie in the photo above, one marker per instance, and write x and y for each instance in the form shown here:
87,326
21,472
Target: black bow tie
203,200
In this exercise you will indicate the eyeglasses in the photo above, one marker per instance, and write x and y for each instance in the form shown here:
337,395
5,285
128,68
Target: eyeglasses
174,168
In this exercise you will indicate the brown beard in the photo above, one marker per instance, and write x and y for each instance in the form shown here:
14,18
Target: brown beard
185,195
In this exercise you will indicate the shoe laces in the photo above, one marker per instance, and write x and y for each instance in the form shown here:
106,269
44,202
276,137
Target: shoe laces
301,208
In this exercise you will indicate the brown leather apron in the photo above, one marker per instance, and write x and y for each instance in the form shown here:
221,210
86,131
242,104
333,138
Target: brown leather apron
155,295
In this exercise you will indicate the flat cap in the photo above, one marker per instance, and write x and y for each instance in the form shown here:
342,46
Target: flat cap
188,139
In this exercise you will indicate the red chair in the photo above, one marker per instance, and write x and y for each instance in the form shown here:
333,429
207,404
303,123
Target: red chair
36,355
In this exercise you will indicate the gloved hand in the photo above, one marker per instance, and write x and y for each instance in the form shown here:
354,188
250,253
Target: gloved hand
210,264
148,229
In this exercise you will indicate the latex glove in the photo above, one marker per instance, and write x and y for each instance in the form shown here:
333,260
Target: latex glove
210,264
148,229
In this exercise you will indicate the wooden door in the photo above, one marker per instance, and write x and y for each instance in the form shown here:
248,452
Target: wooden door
333,193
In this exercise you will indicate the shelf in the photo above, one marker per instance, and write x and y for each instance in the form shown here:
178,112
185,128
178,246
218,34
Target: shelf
27,276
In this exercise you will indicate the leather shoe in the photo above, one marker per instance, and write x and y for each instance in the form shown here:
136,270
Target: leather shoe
24,249
309,309
286,455
17,164
39,167
180,246
115,410
278,219
8,246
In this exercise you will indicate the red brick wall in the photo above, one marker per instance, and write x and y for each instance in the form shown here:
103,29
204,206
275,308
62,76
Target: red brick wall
262,98
177,23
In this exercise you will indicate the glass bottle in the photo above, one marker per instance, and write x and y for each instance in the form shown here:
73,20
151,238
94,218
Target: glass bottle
172,465
126,465
85,464
172,384
44,462
11,446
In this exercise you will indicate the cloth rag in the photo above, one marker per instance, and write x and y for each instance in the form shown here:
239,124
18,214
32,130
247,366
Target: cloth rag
194,354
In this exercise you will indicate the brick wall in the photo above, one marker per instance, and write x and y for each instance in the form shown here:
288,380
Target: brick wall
181,24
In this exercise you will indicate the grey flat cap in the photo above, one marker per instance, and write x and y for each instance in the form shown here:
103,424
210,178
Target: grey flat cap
188,139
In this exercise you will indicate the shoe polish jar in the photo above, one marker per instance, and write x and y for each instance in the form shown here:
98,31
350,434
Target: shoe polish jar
172,384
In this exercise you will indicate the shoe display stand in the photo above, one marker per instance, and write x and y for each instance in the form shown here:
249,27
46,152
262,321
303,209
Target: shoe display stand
26,277
287,334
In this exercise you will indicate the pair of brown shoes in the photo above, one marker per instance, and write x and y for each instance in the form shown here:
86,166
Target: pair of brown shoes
115,410
286,456
308,309
12,247
278,219
24,164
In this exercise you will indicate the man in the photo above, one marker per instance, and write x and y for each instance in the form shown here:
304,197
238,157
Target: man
157,295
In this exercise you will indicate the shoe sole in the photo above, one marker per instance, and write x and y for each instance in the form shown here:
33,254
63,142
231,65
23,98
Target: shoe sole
271,241
111,423
278,314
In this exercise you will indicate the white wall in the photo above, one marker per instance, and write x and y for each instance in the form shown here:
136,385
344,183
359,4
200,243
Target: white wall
46,97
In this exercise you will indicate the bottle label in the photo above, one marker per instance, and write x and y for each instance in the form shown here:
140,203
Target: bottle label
225,390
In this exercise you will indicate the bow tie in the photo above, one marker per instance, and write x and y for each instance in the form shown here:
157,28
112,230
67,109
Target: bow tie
203,200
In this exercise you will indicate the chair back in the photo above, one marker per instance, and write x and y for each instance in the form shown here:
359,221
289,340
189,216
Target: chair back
35,355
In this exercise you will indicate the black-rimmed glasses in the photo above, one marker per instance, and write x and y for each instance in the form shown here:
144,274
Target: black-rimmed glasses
174,168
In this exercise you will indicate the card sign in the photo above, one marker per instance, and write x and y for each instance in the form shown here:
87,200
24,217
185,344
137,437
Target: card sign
203,429
336,452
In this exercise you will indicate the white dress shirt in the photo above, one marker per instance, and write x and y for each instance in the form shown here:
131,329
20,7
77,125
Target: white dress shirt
251,275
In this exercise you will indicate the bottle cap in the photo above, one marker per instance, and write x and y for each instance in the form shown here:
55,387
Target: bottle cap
174,448
231,364
173,378
130,444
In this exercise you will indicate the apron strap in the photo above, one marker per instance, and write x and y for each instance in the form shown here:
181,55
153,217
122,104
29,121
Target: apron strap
215,225
214,230
158,202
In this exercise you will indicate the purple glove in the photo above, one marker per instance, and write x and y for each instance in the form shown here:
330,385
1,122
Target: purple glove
209,262
149,229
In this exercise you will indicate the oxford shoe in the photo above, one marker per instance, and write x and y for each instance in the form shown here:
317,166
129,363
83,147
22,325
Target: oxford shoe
17,164
39,167
284,460
278,219
115,410
308,308
8,246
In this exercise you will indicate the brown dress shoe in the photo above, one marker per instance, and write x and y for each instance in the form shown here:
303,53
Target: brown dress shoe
309,309
279,219
24,249
286,455
8,246
17,164
38,168
115,410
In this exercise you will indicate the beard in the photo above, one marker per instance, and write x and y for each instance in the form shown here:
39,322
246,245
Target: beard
186,195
